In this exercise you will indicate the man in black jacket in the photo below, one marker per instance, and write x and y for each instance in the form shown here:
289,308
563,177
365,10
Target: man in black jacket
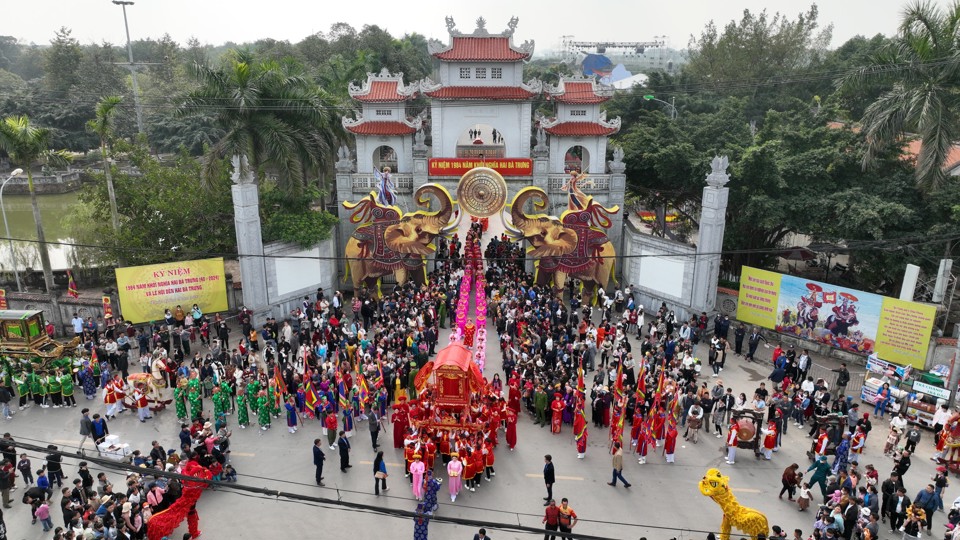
887,489
344,445
548,477
318,459
843,377
54,467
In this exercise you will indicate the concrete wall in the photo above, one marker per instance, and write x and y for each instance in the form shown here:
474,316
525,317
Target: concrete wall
64,182
62,305
660,270
294,272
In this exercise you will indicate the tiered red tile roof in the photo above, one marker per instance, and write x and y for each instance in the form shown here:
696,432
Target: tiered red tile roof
481,92
383,92
580,129
481,49
578,93
381,128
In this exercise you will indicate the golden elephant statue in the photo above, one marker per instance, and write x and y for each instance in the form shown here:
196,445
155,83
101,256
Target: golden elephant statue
391,242
569,246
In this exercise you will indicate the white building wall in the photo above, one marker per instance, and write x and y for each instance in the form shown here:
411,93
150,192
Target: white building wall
596,148
512,119
368,144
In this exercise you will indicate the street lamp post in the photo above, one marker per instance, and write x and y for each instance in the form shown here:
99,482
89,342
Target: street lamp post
131,66
3,210
673,108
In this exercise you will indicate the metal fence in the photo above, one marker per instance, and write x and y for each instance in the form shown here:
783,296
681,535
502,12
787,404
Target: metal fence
818,371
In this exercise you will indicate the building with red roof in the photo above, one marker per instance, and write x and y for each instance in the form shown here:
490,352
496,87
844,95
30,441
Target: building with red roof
476,109
579,131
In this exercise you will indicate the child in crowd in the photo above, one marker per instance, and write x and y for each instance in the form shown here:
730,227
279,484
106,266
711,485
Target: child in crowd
803,500
43,514
25,468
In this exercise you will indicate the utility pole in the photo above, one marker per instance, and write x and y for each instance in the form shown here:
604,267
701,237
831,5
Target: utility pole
131,66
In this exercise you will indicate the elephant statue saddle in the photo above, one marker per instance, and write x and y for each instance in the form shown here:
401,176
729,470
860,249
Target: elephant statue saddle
374,247
590,241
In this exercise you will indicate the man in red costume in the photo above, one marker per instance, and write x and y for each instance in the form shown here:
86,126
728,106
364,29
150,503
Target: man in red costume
857,444
511,429
732,441
557,407
823,441
400,421
769,440
670,443
580,433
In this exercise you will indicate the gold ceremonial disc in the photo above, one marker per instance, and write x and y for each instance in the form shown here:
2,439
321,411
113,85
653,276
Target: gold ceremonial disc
482,192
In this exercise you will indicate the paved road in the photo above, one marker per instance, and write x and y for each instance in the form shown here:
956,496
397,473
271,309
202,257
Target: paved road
663,503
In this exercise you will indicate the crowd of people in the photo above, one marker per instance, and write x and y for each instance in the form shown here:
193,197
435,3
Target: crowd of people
96,504
630,372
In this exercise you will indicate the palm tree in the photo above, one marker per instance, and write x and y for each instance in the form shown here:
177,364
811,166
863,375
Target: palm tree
26,145
268,110
924,100
102,125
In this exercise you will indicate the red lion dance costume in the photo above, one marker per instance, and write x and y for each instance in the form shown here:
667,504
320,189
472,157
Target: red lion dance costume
163,523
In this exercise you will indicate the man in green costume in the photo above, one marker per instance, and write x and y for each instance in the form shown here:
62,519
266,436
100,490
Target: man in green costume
540,405
243,416
263,411
193,395
23,388
411,387
66,388
179,398
53,387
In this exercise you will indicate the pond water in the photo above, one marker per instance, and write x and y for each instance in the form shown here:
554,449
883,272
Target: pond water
53,209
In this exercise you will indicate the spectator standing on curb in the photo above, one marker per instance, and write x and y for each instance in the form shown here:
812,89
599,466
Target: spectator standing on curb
568,518
551,519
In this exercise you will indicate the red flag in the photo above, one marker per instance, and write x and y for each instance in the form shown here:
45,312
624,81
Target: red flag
72,285
93,357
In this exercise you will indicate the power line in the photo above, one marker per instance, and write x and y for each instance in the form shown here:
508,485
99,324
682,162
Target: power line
895,244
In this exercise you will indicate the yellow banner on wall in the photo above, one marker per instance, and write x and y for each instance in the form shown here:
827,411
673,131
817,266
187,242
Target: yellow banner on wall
759,296
855,321
904,333
146,291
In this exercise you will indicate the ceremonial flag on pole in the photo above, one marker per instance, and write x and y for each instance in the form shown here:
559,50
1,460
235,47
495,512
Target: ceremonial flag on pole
72,285
618,384
364,390
93,357
310,397
342,398
278,385
378,383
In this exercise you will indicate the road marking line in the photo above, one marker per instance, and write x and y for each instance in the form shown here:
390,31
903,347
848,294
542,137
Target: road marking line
241,454
746,490
540,475
66,441
389,464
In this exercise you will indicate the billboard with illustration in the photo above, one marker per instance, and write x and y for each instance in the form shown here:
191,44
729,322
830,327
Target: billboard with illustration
856,321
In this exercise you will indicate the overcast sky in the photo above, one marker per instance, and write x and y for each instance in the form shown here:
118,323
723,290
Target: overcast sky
218,21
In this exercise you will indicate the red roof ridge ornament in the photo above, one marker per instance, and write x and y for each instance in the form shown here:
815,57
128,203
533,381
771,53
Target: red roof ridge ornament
362,126
384,87
481,45
601,127
579,89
